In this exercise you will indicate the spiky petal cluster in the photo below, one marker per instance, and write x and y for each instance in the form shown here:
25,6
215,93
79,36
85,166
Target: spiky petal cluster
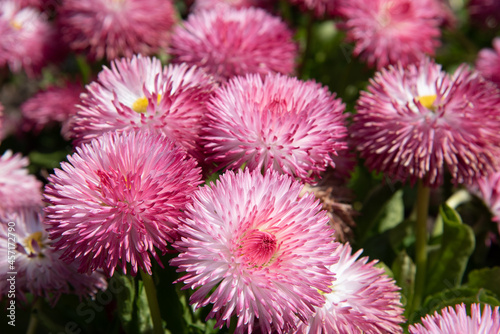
52,105
18,188
37,264
455,320
140,93
110,29
256,251
390,31
118,199
363,300
488,62
27,38
228,42
276,122
417,122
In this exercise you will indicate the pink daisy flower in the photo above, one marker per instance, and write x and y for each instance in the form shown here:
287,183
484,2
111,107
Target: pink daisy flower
488,189
53,105
27,38
244,244
319,7
237,4
140,93
488,62
455,320
276,122
418,122
363,300
118,199
485,13
18,188
390,31
38,267
111,29
228,42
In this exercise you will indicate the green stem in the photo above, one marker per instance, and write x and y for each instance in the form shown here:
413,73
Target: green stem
34,317
154,308
423,196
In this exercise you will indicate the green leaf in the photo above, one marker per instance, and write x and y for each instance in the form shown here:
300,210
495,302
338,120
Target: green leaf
133,308
452,297
404,273
447,265
487,278
392,213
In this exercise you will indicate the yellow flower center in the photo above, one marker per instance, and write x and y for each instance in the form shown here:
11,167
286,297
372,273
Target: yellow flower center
427,100
141,104
32,239
16,25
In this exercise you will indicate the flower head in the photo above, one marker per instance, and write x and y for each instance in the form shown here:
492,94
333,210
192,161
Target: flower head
39,269
488,189
27,38
116,28
118,199
237,4
53,105
276,122
417,122
390,31
363,300
18,188
228,42
255,250
140,93
455,320
488,62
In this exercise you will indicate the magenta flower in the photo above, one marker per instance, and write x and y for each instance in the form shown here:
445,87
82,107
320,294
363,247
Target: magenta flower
118,199
390,31
37,264
455,320
319,7
363,300
111,29
485,13
488,62
277,122
255,250
417,122
53,105
18,188
140,93
237,4
228,42
27,38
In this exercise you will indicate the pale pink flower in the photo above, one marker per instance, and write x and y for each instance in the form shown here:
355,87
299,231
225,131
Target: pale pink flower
488,62
276,122
118,199
419,122
255,250
115,28
35,264
27,38
52,105
390,31
140,93
228,42
18,188
363,299
456,321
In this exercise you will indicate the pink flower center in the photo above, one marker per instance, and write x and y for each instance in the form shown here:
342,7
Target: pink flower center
141,104
427,100
258,247
34,243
